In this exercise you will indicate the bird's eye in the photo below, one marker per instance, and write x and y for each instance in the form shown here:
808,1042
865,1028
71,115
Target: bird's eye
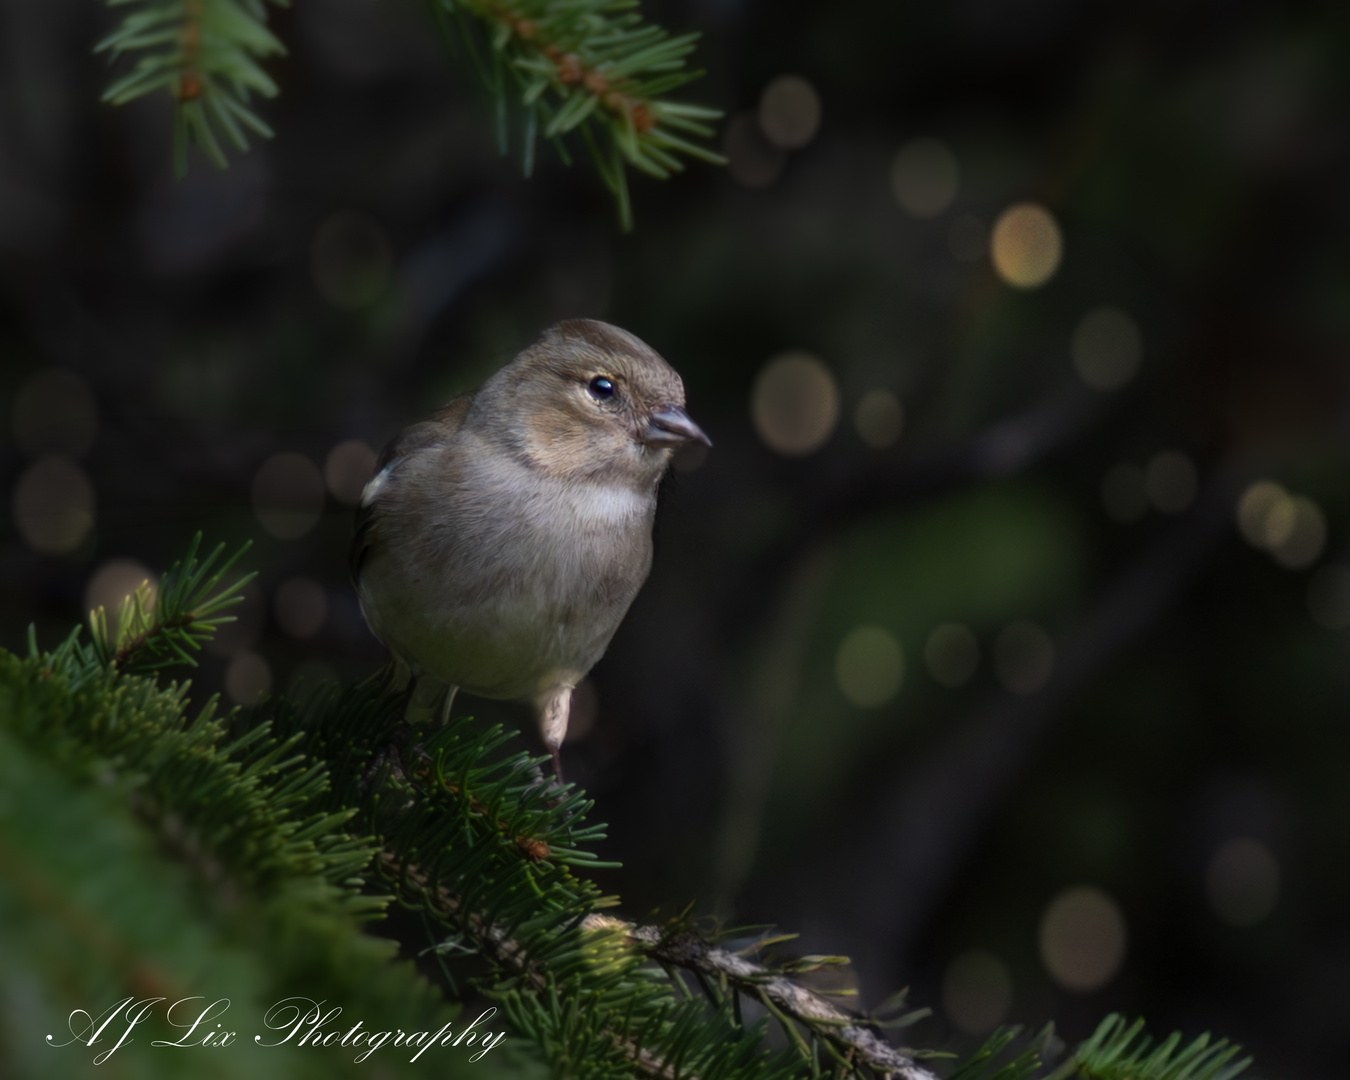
601,388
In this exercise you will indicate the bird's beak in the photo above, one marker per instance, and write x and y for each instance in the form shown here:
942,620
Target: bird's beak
671,426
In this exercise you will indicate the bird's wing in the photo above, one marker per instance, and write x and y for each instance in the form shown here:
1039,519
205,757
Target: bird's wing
441,426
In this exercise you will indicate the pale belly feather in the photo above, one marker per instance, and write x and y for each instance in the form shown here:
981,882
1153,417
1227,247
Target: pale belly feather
511,604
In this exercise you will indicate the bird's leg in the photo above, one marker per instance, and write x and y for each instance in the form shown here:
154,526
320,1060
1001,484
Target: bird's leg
450,692
555,705
423,704
422,708
387,754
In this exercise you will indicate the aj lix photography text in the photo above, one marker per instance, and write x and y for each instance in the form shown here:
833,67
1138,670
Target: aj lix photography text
295,1021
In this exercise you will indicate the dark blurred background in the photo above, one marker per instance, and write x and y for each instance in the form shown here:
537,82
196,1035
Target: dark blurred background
1000,643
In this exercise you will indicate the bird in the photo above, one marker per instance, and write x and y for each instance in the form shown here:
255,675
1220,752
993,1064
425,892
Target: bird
500,542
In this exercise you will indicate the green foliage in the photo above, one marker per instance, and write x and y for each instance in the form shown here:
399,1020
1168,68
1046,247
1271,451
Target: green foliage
205,53
147,853
981,1064
588,67
488,850
1119,1050
584,68
158,628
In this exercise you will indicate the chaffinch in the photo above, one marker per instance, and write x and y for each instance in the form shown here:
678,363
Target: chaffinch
500,542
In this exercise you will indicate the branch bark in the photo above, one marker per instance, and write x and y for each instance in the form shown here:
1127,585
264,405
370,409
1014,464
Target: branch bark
825,1020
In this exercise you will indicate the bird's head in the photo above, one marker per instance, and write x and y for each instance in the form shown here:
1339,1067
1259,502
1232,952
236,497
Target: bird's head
590,400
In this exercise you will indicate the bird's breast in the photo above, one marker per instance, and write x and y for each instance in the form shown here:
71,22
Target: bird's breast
589,542
606,506
522,576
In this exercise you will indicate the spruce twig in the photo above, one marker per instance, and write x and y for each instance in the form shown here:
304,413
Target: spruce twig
207,55
158,628
823,1018
1119,1050
589,67
279,810
559,67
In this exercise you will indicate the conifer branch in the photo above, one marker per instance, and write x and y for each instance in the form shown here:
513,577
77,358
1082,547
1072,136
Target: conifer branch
281,811
592,67
555,68
821,1017
505,951
114,778
158,628
1119,1050
1024,1066
207,55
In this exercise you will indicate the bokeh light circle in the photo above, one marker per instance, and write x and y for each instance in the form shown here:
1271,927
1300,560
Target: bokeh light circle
1107,348
789,112
347,468
1082,939
1254,511
925,177
288,494
1292,528
869,667
879,419
1242,882
248,678
1301,541
53,506
1026,245
794,404
112,583
976,991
